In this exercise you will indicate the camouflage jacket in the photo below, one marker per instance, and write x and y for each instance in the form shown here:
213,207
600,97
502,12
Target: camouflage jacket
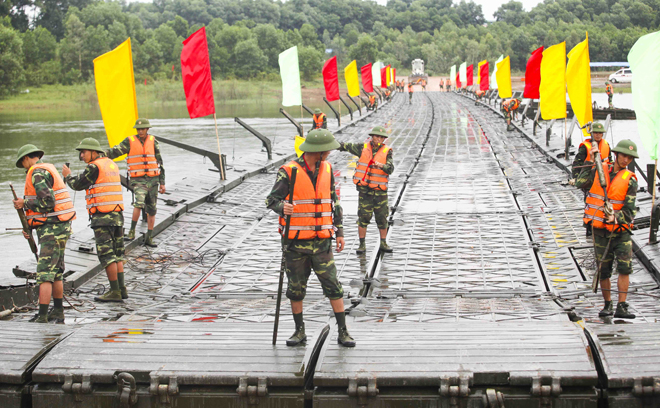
627,214
43,187
83,182
125,146
275,202
581,156
356,149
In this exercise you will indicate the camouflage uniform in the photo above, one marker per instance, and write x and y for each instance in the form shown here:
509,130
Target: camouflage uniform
53,234
621,243
372,202
304,255
108,227
581,156
145,189
610,94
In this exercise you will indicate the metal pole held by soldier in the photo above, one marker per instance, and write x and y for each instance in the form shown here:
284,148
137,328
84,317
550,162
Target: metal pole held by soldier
292,183
26,228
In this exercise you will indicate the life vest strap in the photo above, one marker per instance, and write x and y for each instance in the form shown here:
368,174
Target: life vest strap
105,203
313,201
52,214
312,215
107,193
104,185
310,227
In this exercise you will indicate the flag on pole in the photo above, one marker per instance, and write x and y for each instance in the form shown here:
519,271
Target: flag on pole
644,59
352,81
462,72
196,75
578,83
504,78
479,71
533,74
458,81
469,72
493,77
375,73
115,87
383,77
452,75
331,79
394,74
367,81
483,76
388,75
552,90
290,73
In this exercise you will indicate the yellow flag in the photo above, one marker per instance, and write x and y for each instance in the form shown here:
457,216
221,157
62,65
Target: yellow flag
296,145
553,82
115,87
387,76
503,76
578,83
352,80
479,71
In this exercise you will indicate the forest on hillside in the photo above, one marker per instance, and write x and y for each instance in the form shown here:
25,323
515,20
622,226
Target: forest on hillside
55,41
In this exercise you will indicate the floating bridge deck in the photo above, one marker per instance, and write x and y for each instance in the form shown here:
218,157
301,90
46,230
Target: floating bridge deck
476,306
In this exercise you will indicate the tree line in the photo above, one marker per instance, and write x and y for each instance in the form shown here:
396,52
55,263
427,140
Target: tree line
55,41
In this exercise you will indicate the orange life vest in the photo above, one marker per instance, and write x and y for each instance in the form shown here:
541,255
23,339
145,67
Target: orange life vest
312,206
609,89
410,88
318,120
105,195
63,210
616,193
372,99
481,93
142,158
375,179
511,105
603,148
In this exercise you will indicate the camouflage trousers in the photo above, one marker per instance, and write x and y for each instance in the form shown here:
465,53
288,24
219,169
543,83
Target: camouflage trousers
299,266
372,204
609,100
52,243
620,249
145,193
109,244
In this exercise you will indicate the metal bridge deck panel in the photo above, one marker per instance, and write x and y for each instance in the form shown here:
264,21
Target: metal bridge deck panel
423,353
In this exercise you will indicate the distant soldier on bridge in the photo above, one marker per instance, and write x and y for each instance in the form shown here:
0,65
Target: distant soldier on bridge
612,232
509,107
145,168
609,90
410,92
105,206
320,119
372,102
49,210
375,164
316,216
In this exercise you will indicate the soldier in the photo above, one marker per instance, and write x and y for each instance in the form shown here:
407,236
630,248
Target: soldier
49,210
316,217
320,119
597,131
388,95
609,90
372,102
423,85
611,233
509,108
478,95
410,92
105,206
371,178
145,168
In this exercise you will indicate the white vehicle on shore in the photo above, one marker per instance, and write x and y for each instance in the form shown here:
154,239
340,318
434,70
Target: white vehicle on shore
622,75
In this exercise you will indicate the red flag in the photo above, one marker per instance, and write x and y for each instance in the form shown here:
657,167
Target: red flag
330,79
367,78
145,81
458,80
394,74
484,81
470,75
383,77
196,75
533,75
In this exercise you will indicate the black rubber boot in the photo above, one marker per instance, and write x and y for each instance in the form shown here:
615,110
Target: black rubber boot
298,336
622,311
344,338
56,315
362,248
607,309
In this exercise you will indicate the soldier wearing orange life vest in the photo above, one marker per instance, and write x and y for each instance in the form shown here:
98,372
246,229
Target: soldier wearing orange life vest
105,206
49,210
611,232
316,217
375,164
320,119
509,107
372,102
145,168
609,90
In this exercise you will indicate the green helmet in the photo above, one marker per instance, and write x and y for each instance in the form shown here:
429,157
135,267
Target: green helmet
607,82
24,151
142,124
317,111
319,140
379,131
90,144
597,127
627,147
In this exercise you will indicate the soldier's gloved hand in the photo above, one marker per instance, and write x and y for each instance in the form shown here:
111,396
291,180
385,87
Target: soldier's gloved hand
287,209
162,189
340,244
571,181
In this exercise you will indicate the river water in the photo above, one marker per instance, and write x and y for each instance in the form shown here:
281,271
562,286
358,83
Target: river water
59,132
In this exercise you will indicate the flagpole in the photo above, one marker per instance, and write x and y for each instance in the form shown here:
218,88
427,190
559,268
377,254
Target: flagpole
302,129
655,181
217,137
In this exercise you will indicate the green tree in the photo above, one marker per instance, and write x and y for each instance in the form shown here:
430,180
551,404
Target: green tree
271,41
248,59
11,61
364,51
310,60
180,26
